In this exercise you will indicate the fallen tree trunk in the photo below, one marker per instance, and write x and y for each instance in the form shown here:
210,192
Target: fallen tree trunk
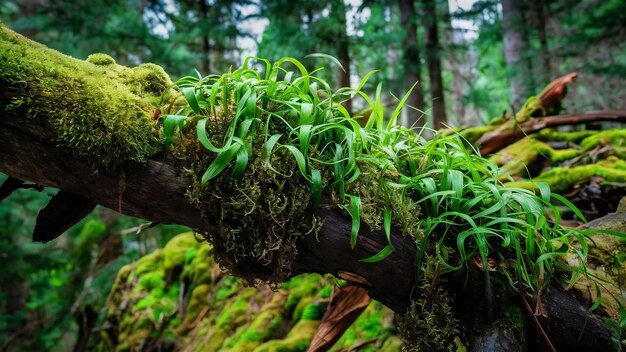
494,141
155,191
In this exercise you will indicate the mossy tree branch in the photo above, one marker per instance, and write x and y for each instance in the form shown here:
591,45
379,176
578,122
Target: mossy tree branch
34,148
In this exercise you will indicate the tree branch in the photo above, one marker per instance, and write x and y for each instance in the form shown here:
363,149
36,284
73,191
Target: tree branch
493,141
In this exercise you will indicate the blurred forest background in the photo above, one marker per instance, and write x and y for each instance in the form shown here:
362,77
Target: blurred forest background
475,61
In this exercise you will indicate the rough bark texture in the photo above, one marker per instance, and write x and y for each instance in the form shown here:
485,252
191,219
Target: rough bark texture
343,50
514,49
411,63
434,64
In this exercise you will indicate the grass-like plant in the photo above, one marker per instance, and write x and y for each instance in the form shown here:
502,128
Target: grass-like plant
439,191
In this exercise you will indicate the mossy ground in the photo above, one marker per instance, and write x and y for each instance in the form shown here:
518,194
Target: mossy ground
98,111
177,298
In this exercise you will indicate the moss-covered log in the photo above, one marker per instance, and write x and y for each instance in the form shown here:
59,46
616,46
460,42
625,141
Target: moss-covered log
88,128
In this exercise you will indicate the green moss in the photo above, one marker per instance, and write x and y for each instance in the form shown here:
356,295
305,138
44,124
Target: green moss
518,155
200,267
264,324
199,299
259,217
430,323
553,135
313,311
561,179
472,134
616,138
177,250
100,59
152,280
98,111
149,80
299,287
297,340
149,263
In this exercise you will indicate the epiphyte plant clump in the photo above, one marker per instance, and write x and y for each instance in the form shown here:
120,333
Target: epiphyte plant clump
267,146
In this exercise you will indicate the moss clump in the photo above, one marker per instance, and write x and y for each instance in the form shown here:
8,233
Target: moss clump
177,250
259,217
100,59
148,80
98,111
516,157
562,179
549,134
430,323
147,308
297,340
610,137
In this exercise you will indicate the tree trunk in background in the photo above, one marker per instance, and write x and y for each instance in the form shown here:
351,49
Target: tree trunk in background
540,16
343,49
206,43
411,63
433,60
515,49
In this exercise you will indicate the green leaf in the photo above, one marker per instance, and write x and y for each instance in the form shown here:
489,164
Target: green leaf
355,213
384,253
220,163
396,112
190,95
569,204
304,136
241,163
329,57
170,123
204,138
387,224
316,187
268,147
300,159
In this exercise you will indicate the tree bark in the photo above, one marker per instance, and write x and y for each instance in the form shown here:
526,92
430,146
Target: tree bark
206,40
411,64
515,48
343,49
433,59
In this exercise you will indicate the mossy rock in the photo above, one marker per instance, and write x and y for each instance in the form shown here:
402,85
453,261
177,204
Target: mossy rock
219,313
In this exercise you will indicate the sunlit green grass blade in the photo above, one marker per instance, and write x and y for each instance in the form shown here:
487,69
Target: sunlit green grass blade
300,159
355,213
569,204
220,163
204,138
384,253
399,107
268,147
190,95
241,163
387,224
316,187
170,123
328,57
